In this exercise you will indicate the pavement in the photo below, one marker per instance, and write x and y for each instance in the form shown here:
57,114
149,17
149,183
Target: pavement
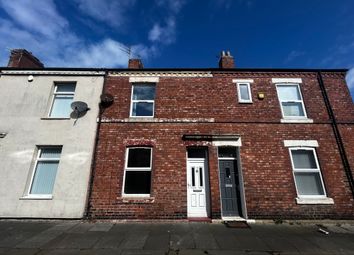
24,237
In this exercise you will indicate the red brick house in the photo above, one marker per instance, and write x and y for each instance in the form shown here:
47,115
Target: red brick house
224,143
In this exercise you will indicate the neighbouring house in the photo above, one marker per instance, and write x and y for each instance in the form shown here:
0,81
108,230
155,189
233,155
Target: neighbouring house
46,147
221,142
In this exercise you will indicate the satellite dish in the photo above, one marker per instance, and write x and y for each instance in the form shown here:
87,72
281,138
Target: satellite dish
79,109
106,99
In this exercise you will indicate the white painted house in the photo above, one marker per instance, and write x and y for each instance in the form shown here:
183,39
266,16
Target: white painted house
45,152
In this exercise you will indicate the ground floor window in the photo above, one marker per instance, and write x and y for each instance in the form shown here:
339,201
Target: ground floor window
307,173
137,173
45,171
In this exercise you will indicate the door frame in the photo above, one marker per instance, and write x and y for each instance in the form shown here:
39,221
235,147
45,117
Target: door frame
206,182
237,160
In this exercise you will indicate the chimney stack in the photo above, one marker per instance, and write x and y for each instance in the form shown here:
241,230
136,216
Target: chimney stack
135,63
21,58
226,60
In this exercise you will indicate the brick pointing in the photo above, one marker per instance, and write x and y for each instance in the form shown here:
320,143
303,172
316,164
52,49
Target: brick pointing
267,173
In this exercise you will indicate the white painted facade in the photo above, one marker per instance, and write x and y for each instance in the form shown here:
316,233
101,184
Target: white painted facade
24,118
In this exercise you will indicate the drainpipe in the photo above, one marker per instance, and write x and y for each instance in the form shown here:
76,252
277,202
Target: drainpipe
336,132
94,156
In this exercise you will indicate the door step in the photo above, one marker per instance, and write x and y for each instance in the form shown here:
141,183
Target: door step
233,218
199,219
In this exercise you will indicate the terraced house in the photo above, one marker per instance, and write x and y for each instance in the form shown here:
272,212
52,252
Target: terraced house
224,142
45,149
137,143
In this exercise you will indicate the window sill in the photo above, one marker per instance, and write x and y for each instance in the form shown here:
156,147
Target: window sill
296,121
246,102
47,197
136,200
314,201
48,118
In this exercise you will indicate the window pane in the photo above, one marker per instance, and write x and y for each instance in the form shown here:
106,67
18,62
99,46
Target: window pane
196,153
50,153
227,152
144,92
65,88
44,178
293,109
244,93
143,109
304,159
137,182
61,106
288,92
139,157
309,184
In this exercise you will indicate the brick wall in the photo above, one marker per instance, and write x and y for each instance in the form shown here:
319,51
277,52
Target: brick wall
210,106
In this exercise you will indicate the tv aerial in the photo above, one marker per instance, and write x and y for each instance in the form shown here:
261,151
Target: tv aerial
79,109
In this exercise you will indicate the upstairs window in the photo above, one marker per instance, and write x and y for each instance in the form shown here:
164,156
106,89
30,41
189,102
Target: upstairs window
45,171
244,93
307,173
62,98
137,178
290,98
143,100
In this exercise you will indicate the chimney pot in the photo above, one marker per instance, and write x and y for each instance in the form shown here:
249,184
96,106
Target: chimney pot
21,58
226,61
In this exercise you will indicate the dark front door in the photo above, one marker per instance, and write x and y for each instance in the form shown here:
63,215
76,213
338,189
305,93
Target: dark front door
229,188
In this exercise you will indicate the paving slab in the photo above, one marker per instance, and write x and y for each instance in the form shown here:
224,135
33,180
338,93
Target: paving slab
135,240
74,241
109,241
180,241
22,251
101,227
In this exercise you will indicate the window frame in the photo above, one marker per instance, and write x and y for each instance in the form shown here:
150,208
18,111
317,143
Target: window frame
132,101
307,170
136,169
292,101
34,170
63,94
240,100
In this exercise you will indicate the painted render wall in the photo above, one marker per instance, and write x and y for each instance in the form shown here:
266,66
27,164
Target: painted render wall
23,104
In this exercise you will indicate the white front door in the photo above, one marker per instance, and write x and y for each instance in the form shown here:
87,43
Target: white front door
196,195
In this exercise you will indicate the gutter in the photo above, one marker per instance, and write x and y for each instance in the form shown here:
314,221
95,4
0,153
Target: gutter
336,132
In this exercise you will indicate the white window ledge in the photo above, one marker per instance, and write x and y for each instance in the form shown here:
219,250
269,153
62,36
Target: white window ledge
33,197
296,120
314,201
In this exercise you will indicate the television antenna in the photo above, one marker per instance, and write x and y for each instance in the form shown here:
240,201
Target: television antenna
128,50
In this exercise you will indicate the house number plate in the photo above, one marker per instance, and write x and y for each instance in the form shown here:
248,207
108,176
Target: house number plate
228,185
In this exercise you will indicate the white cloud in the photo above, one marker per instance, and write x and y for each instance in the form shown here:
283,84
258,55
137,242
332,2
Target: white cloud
54,43
112,12
350,79
38,16
164,34
293,55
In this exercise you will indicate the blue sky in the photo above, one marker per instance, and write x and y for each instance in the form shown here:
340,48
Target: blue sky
182,33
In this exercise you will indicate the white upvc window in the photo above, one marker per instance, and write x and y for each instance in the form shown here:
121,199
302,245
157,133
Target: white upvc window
63,96
45,171
143,100
307,173
244,92
137,172
291,102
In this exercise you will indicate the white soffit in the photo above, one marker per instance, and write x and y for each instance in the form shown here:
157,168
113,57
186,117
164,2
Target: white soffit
286,80
144,79
300,143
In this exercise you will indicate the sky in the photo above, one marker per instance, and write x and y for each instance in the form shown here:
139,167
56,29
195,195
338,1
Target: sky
182,33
